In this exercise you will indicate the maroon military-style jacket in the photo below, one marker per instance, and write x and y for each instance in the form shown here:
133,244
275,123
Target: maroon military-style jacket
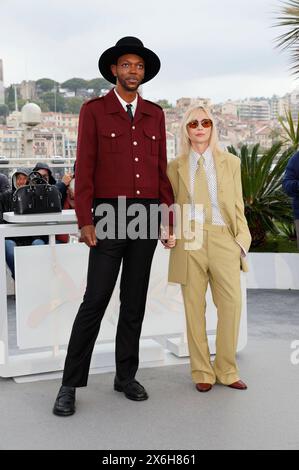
120,157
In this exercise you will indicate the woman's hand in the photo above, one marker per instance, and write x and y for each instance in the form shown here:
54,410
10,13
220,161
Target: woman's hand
170,243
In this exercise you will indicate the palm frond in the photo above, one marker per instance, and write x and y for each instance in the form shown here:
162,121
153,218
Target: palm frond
265,202
288,125
289,40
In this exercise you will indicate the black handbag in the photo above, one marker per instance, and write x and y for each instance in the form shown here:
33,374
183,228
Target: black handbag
37,197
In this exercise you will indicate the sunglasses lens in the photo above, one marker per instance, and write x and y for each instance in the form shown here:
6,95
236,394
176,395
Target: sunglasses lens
206,123
193,124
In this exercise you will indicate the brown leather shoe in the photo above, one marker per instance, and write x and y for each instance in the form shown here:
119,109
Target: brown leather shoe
239,385
202,387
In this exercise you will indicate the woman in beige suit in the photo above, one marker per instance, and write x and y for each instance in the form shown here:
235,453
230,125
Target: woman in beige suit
211,246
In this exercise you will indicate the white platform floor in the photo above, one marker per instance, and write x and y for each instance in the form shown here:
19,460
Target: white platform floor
176,416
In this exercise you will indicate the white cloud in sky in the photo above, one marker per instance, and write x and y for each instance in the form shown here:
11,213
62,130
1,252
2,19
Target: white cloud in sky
219,49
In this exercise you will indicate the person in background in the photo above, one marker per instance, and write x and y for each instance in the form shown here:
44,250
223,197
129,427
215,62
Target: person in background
44,170
290,186
4,183
19,179
69,203
70,196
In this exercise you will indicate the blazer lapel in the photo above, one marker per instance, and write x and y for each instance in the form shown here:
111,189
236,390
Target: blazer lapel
183,171
219,160
220,166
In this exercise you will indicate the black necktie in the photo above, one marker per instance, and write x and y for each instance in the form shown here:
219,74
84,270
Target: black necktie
129,111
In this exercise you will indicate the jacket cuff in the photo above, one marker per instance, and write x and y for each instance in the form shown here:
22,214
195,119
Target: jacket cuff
84,220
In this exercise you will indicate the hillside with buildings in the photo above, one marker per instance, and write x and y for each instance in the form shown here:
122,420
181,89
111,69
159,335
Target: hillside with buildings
248,121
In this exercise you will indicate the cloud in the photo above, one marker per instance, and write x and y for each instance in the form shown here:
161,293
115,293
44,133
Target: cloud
199,41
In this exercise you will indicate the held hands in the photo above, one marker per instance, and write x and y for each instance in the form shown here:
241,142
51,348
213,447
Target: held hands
170,243
167,237
88,235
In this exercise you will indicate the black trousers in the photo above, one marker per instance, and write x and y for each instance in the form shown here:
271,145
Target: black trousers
104,264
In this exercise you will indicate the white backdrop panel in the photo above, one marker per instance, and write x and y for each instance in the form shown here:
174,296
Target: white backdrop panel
50,283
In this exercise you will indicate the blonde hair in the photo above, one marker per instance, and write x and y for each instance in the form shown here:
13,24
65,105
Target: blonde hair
189,116
72,184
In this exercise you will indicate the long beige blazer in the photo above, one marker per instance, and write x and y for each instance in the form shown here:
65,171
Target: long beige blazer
229,188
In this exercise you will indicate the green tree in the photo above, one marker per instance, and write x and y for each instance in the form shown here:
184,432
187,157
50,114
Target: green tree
10,93
74,84
21,103
4,110
291,129
265,202
46,84
98,84
73,105
43,105
289,40
10,98
164,104
54,101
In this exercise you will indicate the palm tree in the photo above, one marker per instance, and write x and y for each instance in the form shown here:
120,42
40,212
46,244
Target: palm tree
288,230
265,202
289,18
290,128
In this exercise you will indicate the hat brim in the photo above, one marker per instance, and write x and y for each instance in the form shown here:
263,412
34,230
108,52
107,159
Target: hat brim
110,56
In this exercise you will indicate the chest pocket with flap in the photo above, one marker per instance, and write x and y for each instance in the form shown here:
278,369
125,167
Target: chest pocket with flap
111,140
152,141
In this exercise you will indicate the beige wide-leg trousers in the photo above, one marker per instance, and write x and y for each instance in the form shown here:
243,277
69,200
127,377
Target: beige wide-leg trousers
217,262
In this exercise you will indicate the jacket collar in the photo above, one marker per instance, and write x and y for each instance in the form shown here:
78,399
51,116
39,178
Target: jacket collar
113,106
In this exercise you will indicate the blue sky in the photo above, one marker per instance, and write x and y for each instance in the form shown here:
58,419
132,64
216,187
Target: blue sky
219,49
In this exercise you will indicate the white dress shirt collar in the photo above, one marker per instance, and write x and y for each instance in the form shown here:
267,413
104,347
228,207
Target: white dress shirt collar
124,103
207,154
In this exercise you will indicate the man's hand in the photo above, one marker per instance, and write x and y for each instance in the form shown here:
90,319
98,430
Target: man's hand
67,178
167,237
88,235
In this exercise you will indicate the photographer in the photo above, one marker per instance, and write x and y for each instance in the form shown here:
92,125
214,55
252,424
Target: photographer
44,170
19,179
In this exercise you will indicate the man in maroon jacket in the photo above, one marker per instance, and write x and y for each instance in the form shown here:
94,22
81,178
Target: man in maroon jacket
121,152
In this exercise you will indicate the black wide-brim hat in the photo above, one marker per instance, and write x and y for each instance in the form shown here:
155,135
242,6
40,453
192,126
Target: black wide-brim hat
129,45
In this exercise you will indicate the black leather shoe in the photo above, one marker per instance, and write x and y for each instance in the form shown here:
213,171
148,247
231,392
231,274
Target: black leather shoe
132,390
65,401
